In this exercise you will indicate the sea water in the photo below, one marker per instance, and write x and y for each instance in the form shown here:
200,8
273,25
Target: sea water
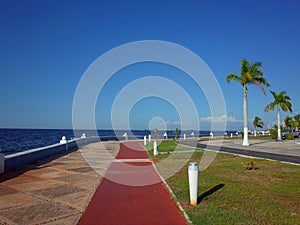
16,140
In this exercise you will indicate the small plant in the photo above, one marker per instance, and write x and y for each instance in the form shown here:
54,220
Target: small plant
242,134
176,131
249,165
155,131
289,136
273,133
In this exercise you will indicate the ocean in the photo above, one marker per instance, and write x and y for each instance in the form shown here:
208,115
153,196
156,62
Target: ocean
17,140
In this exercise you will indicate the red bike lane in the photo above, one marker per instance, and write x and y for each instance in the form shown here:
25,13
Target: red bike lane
131,193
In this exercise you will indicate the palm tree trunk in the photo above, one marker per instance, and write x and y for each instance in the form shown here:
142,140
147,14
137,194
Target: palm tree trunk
245,140
278,124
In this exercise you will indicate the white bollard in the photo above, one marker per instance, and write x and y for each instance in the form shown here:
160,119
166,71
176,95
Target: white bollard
211,134
2,163
63,140
231,135
145,140
184,137
149,137
84,136
125,136
166,135
192,134
155,152
193,172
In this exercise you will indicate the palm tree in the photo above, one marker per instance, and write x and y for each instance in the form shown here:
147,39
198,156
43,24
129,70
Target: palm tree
250,74
297,120
289,122
257,123
281,101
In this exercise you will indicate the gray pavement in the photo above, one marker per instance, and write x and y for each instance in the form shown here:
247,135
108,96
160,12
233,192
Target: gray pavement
287,150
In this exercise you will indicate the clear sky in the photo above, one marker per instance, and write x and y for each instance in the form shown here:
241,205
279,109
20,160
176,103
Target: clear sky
46,46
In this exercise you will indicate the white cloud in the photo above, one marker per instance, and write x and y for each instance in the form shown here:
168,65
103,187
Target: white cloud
220,119
174,123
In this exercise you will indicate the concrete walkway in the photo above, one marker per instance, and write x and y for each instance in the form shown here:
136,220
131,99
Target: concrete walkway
287,150
61,189
131,193
55,190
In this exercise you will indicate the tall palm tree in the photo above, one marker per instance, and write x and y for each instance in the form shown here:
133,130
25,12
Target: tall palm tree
257,123
297,120
249,74
281,101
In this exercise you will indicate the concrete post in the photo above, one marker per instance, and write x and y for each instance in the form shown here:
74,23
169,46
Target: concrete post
166,135
149,136
184,137
145,140
193,172
84,136
231,135
192,134
64,141
126,136
155,152
211,135
2,163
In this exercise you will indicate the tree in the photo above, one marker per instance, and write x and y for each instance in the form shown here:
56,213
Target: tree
257,123
289,122
297,121
249,74
176,131
155,132
281,101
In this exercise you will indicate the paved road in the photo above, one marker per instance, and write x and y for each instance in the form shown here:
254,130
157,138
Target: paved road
263,151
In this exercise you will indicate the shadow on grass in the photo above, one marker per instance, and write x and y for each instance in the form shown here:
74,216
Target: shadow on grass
209,192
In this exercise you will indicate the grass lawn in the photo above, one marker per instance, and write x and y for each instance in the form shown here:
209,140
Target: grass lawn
229,194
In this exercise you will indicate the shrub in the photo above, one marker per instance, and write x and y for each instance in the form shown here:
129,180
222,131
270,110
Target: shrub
289,136
249,165
273,133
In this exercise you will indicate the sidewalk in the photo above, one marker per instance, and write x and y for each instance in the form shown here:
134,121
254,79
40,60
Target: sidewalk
286,147
131,193
60,189
52,191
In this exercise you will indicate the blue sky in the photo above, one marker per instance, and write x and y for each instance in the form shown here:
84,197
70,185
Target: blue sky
46,46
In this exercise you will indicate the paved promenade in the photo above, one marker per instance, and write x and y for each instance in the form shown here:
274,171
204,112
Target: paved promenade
59,189
52,191
64,189
131,193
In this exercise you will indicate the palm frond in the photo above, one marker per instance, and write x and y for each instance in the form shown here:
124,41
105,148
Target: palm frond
234,77
259,85
270,106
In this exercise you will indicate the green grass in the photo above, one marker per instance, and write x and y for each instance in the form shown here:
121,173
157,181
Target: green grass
228,194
